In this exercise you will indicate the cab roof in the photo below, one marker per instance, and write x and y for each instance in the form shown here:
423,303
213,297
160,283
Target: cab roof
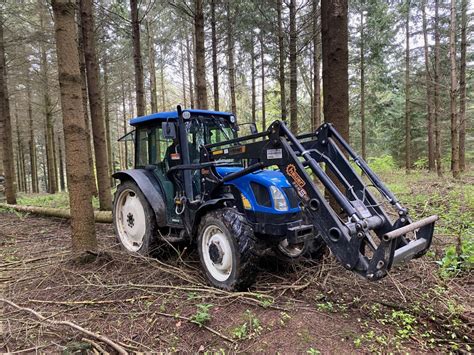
173,115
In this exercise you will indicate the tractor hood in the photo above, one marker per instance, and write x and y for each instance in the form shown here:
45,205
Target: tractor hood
266,178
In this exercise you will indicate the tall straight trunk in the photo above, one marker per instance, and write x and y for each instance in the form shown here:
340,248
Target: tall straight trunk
137,59
190,72
55,161
462,89
124,122
107,118
62,179
453,93
183,74
429,108
152,66
19,156
362,87
262,60
82,68
335,64
200,56
316,66
254,94
281,61
31,143
215,75
162,80
230,58
293,70
79,174
437,129
407,92
95,104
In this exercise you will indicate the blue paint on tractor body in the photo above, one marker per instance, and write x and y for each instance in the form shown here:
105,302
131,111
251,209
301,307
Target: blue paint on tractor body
173,115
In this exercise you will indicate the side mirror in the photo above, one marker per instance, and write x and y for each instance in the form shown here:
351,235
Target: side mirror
253,128
169,130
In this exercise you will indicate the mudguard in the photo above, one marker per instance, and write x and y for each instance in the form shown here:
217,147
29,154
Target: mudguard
207,206
150,187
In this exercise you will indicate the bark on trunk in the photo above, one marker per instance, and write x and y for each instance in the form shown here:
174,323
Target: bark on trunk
453,93
183,73
137,59
31,143
254,93
281,63
62,179
462,89
200,55
95,103
215,75
190,72
162,80
230,58
316,66
79,175
293,70
436,93
107,120
262,59
429,108
362,88
152,66
124,122
407,92
335,64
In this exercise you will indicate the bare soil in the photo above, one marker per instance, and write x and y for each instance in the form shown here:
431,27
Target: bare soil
147,304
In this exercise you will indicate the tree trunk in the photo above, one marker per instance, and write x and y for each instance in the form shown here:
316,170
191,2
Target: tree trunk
200,55
79,175
281,63
162,80
429,109
183,73
362,88
293,70
107,120
335,64
254,91
62,179
152,66
190,72
124,121
31,143
215,75
137,59
407,92
436,93
453,93
316,66
262,59
462,89
230,58
82,67
95,103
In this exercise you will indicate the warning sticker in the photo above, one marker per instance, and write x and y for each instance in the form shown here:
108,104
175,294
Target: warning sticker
274,154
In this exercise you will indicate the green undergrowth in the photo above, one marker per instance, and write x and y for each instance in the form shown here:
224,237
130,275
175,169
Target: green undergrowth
57,200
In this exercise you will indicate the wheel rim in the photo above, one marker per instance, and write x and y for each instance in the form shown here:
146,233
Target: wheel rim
130,220
293,251
217,253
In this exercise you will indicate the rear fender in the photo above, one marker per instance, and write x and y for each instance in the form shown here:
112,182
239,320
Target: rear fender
151,189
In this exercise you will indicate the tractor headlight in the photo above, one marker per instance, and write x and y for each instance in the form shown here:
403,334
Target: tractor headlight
279,200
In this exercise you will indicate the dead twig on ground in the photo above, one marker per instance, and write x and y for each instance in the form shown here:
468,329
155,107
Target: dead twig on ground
100,337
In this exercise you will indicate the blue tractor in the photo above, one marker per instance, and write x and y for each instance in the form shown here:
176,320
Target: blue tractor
196,181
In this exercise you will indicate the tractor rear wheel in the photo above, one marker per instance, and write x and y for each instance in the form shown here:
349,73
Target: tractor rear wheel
226,245
134,220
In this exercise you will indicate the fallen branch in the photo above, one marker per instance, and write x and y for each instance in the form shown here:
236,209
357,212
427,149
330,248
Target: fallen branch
103,338
99,216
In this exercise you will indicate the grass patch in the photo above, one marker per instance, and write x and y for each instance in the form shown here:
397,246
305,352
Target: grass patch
57,200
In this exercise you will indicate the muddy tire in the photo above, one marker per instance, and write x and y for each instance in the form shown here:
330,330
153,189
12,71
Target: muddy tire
226,246
134,220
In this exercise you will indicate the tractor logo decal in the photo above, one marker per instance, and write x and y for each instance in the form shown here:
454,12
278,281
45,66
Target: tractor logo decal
298,182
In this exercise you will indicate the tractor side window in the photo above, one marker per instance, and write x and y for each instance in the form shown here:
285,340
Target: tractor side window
142,145
158,146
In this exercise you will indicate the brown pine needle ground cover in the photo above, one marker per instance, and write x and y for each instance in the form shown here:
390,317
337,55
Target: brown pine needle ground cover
145,304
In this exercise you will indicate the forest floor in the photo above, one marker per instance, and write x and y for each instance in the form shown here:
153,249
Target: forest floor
147,304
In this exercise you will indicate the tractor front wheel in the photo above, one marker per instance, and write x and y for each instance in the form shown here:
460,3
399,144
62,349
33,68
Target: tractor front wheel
226,245
134,220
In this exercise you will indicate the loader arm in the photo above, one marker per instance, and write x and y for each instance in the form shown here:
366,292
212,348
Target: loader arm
361,236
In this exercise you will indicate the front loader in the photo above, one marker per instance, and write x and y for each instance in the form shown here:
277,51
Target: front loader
196,181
